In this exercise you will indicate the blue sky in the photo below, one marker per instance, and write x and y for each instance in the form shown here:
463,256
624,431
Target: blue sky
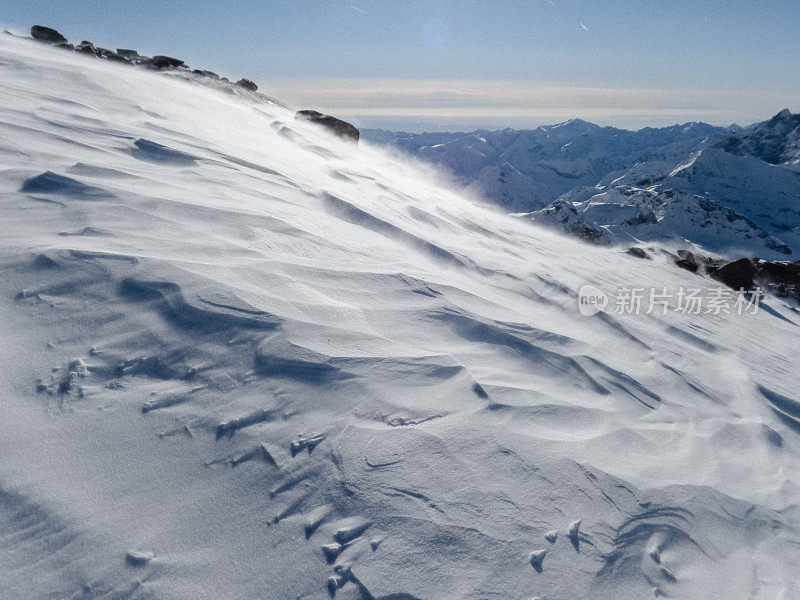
466,64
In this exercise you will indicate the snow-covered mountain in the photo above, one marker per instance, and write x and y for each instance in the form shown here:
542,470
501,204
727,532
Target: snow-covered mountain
523,170
729,192
244,359
776,141
732,204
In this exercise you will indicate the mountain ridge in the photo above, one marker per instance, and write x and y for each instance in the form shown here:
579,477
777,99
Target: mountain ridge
724,190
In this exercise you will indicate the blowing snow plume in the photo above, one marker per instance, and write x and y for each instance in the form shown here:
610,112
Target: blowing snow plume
246,359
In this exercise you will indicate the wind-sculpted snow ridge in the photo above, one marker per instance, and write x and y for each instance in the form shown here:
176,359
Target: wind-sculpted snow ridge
243,360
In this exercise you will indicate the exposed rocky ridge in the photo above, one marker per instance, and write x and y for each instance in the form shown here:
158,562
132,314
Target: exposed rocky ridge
340,128
780,278
178,67
172,65
45,34
563,215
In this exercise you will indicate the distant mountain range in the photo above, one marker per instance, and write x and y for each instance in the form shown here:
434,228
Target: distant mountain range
526,169
729,191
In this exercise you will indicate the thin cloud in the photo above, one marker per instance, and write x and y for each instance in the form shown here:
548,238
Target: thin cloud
513,103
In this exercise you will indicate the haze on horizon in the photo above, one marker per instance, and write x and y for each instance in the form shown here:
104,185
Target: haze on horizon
464,65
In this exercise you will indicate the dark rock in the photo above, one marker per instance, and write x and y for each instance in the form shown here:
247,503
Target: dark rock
638,252
205,73
45,34
116,57
336,126
687,264
645,215
65,45
247,84
693,262
164,62
781,278
739,274
129,54
111,55
87,47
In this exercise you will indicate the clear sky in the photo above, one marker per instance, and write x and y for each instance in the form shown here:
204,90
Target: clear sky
463,64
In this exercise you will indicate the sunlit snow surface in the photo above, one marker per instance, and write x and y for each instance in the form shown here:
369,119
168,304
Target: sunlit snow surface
243,360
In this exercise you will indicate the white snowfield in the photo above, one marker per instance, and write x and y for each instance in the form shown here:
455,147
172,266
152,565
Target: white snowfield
242,360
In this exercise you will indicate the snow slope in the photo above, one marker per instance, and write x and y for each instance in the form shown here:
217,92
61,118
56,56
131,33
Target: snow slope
245,360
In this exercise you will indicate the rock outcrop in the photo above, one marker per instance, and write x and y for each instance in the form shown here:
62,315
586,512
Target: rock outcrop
738,275
336,126
164,62
781,278
562,215
45,34
178,67
86,47
131,55
247,84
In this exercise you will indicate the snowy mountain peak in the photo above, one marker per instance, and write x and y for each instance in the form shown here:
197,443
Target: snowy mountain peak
784,115
574,125
776,141
738,188
548,161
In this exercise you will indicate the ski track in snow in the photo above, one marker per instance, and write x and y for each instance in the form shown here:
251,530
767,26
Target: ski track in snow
246,360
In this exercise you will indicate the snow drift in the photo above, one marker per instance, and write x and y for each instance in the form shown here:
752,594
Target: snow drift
243,360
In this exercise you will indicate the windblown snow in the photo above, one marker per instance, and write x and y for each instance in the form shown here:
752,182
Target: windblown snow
246,360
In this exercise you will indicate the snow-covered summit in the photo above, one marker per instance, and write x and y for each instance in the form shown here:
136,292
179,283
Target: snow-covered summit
736,194
776,141
243,359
